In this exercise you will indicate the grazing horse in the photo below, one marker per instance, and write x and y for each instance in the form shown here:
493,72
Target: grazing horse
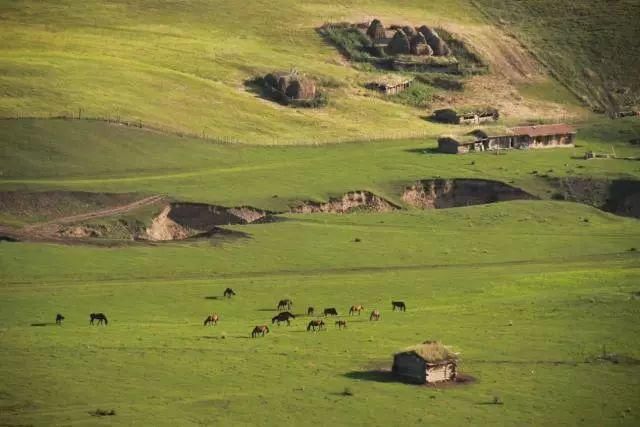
399,305
340,324
310,311
285,316
356,309
260,330
375,315
315,324
100,317
228,293
212,319
59,319
330,311
285,304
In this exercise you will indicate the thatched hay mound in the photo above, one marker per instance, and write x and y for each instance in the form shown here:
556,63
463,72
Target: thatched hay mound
432,351
302,88
409,31
436,43
292,85
439,47
427,32
419,45
399,44
376,30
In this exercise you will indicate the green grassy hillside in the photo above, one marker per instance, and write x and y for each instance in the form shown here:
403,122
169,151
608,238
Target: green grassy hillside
93,156
591,46
181,66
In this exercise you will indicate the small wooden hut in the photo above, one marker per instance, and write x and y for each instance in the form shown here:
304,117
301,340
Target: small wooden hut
429,362
390,84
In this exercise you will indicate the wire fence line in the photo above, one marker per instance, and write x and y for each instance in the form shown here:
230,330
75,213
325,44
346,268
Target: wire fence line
140,124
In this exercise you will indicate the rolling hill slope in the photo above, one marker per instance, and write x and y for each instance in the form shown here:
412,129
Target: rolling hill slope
181,66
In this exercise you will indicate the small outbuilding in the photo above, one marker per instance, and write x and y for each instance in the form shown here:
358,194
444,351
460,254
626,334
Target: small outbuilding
390,84
429,362
468,116
522,137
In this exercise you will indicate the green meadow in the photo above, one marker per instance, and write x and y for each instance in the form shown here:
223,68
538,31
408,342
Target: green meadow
540,298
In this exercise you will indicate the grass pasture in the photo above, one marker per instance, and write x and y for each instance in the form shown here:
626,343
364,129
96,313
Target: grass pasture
540,297
527,308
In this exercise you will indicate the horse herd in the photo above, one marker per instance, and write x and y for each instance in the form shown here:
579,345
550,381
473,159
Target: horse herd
284,316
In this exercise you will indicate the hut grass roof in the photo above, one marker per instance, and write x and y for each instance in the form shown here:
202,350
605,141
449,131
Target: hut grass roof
391,80
431,352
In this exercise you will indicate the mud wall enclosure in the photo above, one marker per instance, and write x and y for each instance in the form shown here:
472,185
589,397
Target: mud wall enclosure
451,193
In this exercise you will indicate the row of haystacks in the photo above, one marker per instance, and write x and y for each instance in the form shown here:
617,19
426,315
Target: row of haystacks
407,40
293,88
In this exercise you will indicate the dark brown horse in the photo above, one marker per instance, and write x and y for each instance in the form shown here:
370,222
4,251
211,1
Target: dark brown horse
330,311
100,317
356,309
228,293
375,315
59,319
319,324
285,304
310,311
340,324
260,330
399,305
212,319
285,316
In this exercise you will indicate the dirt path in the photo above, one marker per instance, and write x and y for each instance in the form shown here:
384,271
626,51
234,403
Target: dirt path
99,214
44,231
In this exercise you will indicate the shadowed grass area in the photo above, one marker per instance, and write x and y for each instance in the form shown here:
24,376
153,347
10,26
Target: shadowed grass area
591,46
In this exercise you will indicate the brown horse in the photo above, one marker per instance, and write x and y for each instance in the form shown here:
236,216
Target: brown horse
400,305
228,293
356,309
340,324
310,311
260,330
100,317
375,315
285,316
285,304
212,319
315,324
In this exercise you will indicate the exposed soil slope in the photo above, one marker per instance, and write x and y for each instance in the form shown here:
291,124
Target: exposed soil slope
450,193
349,202
179,221
621,197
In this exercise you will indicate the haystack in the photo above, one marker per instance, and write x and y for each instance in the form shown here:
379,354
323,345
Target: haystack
409,31
376,30
301,88
419,45
439,47
434,41
399,44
